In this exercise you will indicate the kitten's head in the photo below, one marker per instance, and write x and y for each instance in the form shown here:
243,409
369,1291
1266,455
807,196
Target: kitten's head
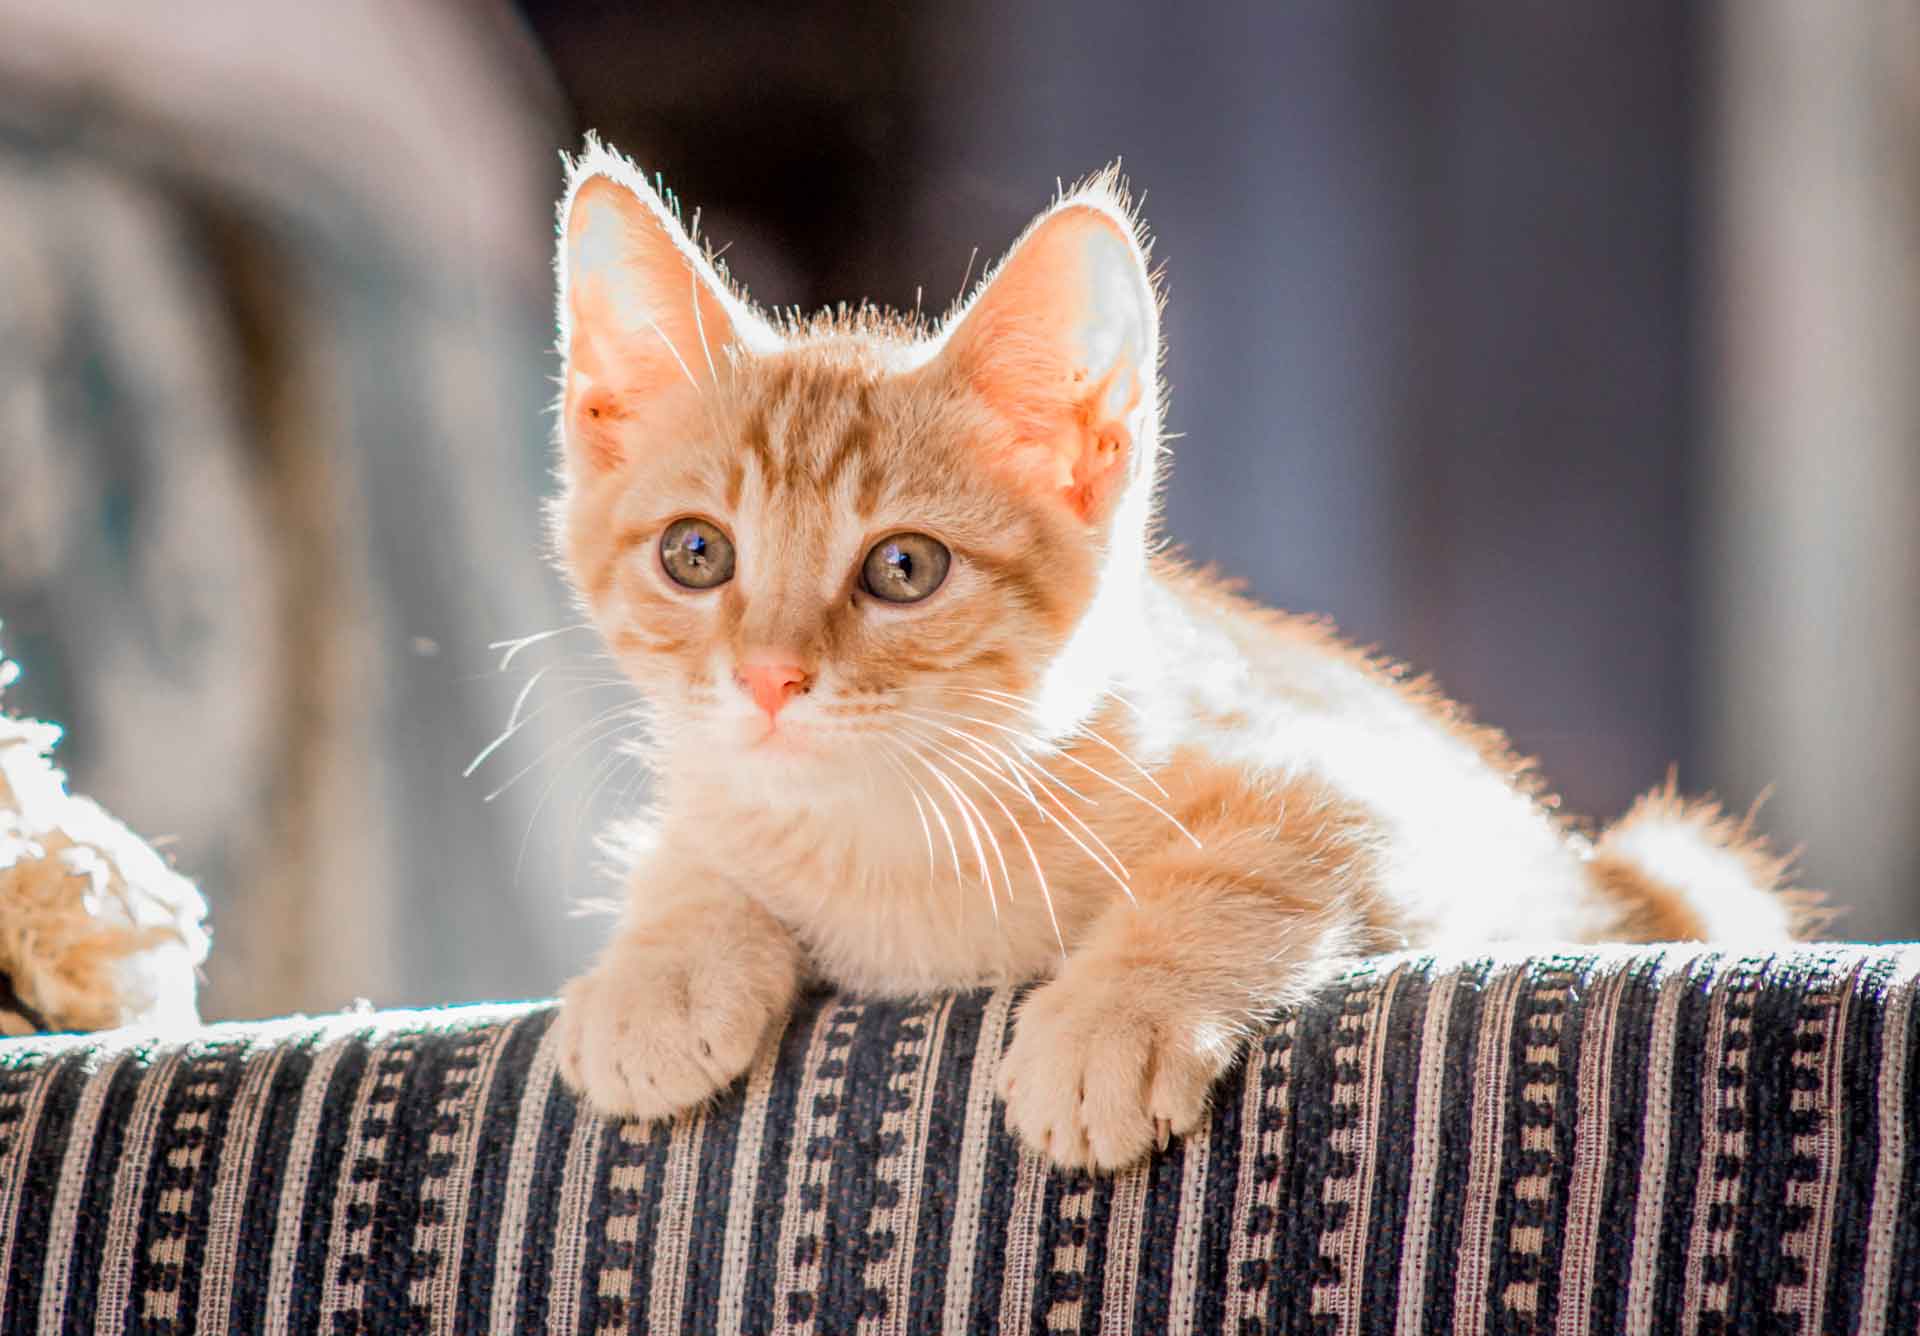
815,545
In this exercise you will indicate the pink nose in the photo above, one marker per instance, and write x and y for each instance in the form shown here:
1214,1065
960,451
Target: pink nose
771,681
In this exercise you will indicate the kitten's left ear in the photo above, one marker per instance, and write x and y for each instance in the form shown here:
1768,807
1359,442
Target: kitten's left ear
645,320
1062,343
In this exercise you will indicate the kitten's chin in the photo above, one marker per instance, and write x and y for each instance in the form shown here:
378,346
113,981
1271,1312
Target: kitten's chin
786,765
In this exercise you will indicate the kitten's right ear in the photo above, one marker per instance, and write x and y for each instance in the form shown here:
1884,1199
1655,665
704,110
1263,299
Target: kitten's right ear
645,321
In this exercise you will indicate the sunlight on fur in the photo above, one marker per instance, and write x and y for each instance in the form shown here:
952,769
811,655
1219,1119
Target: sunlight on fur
926,709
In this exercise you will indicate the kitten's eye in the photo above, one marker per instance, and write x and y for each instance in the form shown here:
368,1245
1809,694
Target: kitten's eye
696,554
905,568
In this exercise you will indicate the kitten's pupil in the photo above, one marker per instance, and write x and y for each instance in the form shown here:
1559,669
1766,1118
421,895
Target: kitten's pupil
696,554
899,565
905,568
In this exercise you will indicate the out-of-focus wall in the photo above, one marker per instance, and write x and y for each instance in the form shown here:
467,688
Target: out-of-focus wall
1812,483
273,383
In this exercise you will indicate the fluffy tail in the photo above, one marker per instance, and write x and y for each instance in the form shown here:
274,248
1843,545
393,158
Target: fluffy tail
1680,869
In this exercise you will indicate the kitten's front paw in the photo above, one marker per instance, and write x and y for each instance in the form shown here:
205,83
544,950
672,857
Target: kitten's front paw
647,1033
1096,1076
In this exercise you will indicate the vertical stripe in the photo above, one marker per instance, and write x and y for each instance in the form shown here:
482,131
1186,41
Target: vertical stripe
1377,1273
1530,1216
440,1237
821,1089
801,1048
894,1274
1222,1183
342,1056
738,1243
1889,1173
940,1174
1586,1190
571,1217
1470,1002
872,1157
673,1234
1858,1149
477,1278
1903,1312
1767,1060
1424,1175
72,1180
1655,1133
1123,1248
1624,1105
975,1138
1264,1129
1723,1144
522,1165
707,1211
619,1204
64,1082
16,1160
232,1180
1159,1222
370,1129
1818,1196
290,1229
1195,1150
1493,1051
1346,1239
170,1262
1062,1254
1021,1260
129,1191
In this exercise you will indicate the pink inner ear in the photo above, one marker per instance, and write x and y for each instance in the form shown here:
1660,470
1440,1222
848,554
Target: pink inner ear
645,324
1027,345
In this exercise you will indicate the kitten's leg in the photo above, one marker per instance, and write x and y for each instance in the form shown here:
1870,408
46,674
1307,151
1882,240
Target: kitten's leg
677,1004
1124,1046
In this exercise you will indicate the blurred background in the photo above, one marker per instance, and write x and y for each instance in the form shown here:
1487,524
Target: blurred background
1566,351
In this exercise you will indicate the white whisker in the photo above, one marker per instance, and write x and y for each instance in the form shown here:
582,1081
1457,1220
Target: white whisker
978,742
700,325
559,772
1024,771
513,647
625,707
966,811
1083,729
976,771
685,370
1006,877
515,723
940,817
1027,768
1100,774
914,792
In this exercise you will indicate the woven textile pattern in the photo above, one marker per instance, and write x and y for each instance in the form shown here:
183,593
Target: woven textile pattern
1660,1140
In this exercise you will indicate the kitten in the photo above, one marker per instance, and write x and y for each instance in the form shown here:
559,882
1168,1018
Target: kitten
932,713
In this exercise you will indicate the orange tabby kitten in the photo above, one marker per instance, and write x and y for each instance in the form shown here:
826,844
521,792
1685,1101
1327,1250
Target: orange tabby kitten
932,714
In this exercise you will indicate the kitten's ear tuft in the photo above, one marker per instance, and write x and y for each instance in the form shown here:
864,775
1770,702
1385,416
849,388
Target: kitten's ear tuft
645,320
1062,341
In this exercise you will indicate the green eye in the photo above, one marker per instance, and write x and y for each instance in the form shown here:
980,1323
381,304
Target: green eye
905,568
696,554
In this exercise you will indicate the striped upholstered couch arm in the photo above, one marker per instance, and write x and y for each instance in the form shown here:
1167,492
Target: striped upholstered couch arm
1657,1140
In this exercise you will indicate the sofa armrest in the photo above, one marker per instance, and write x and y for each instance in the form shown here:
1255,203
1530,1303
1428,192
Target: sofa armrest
1652,1138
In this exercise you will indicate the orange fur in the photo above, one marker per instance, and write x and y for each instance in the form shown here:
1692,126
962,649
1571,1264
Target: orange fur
1073,762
